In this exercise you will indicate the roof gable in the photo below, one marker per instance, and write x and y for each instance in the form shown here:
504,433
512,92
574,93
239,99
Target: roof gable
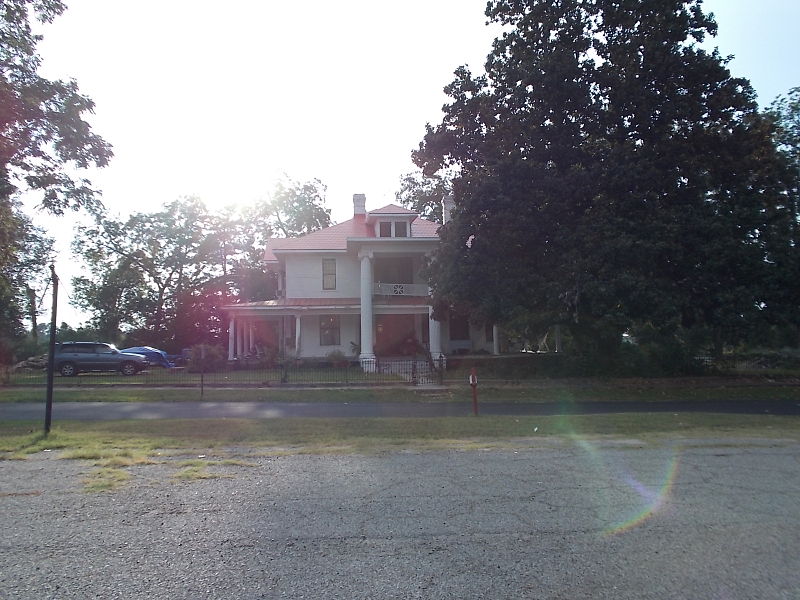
393,209
335,237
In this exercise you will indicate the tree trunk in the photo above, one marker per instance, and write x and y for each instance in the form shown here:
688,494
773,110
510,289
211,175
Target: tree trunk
32,312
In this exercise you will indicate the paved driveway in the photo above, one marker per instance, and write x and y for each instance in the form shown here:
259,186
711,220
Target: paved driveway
570,520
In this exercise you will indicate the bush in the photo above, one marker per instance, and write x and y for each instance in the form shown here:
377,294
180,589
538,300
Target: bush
521,366
786,359
336,358
206,358
643,360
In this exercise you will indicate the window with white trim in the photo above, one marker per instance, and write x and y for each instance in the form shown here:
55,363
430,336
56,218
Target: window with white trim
328,273
329,330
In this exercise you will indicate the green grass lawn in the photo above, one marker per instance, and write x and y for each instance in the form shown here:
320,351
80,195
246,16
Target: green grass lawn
113,447
156,376
97,440
562,391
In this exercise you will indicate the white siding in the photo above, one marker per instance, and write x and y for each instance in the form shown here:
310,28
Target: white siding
309,336
304,276
477,340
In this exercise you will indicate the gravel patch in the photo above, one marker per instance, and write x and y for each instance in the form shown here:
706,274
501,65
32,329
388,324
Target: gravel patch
586,519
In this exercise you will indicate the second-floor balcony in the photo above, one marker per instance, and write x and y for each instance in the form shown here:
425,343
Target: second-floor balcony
400,289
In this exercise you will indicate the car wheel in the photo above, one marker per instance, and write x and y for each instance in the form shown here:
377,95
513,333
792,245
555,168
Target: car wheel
68,370
127,368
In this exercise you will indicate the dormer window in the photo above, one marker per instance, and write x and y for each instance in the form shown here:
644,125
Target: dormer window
391,222
392,229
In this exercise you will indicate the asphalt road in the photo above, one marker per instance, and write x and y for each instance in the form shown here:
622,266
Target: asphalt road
105,411
570,520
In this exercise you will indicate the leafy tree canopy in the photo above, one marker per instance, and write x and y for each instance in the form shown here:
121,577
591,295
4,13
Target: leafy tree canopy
609,171
25,250
44,142
295,208
164,276
44,137
423,193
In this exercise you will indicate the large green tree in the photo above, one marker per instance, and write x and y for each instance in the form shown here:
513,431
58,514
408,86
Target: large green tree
45,143
25,252
163,277
785,244
44,137
295,208
610,172
139,266
423,194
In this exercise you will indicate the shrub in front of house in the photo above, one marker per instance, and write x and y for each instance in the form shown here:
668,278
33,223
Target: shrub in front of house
207,358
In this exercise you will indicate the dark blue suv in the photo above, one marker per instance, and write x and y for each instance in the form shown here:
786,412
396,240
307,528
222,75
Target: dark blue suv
74,357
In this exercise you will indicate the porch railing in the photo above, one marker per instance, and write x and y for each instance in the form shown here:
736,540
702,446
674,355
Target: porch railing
400,289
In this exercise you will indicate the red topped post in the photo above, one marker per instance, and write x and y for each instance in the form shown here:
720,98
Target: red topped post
473,381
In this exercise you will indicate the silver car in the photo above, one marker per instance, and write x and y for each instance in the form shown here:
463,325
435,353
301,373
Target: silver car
73,357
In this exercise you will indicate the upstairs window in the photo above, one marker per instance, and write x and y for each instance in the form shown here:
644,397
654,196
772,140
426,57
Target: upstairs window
400,229
385,229
328,273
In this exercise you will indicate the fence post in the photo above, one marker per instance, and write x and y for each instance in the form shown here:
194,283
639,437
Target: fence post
202,370
440,370
473,382
51,354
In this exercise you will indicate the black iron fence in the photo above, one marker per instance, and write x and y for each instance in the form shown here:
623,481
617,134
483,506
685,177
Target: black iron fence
253,374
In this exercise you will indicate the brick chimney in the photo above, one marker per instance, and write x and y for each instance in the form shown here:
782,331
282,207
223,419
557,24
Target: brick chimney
359,204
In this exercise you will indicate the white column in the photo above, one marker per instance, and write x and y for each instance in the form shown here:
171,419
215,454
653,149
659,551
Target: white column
434,335
297,336
240,341
249,337
231,338
495,340
367,343
367,351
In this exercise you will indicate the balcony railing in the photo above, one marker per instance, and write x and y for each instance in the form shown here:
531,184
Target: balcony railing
400,289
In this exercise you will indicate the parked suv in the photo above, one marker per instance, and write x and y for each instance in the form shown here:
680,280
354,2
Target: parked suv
74,357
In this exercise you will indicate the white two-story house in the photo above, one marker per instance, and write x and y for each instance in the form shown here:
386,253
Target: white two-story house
355,288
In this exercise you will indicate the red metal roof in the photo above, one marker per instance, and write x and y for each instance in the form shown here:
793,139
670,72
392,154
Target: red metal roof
335,237
423,228
393,209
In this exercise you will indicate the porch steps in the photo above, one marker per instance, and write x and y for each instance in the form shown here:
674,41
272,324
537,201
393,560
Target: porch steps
416,372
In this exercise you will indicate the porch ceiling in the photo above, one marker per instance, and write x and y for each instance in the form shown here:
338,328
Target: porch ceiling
291,306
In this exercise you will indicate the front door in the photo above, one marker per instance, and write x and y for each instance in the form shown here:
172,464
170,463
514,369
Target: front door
394,335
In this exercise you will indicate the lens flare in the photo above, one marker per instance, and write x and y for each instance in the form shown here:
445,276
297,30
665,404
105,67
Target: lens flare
648,499
653,499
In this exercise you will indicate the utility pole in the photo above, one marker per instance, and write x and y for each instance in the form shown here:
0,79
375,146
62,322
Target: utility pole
51,353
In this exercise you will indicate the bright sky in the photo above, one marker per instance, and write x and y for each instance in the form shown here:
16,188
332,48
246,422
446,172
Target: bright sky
218,99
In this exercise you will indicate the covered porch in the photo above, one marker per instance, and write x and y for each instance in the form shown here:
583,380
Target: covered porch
315,328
